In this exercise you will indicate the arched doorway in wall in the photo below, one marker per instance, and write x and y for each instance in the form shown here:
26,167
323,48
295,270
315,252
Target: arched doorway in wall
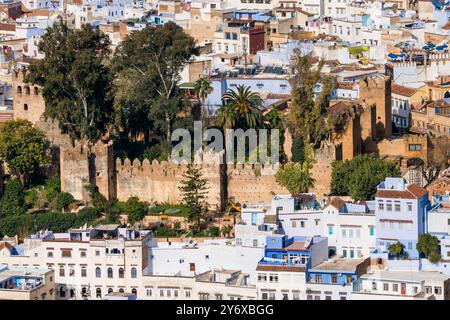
447,95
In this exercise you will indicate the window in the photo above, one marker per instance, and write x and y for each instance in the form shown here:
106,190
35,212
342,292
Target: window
133,273
397,207
188,294
98,293
410,245
344,253
83,272
262,277
389,206
255,242
296,296
350,233
219,296
83,254
25,107
169,292
273,278
161,293
121,273
19,90
71,272
437,290
415,147
344,233
36,91
110,272
50,254
294,224
302,224
98,272
409,206
386,286
374,286
175,293
371,231
395,287
97,252
238,241
61,271
27,90
330,230
333,278
358,233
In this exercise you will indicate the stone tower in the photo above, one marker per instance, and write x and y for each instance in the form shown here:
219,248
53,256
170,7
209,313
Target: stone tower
377,91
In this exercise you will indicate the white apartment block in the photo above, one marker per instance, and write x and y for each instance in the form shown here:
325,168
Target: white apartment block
402,285
88,263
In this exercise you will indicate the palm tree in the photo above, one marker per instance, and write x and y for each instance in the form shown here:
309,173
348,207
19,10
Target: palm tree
241,107
203,88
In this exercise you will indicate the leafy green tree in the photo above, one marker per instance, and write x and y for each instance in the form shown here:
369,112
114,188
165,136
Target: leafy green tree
307,119
75,80
149,63
398,250
226,230
87,215
136,210
63,200
20,225
428,246
54,221
52,187
295,177
13,200
242,109
194,189
203,88
23,147
97,199
360,176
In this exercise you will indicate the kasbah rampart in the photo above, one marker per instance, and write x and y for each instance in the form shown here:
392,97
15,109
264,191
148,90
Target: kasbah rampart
368,131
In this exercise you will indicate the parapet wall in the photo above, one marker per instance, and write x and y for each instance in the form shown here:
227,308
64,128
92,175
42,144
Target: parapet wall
160,181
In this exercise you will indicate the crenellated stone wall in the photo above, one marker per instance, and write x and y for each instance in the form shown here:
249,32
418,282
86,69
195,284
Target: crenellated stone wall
160,181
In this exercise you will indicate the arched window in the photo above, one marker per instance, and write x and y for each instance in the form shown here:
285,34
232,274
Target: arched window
121,290
62,292
110,290
83,291
110,272
447,95
121,273
36,91
19,90
27,90
133,273
134,291
98,272
25,107
98,293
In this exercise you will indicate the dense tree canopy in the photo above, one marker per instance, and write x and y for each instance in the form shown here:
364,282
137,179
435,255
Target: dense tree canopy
149,63
307,119
76,79
23,147
360,176
295,177
13,200
428,246
136,210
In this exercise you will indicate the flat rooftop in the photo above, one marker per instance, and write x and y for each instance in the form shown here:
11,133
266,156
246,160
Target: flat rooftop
339,264
408,276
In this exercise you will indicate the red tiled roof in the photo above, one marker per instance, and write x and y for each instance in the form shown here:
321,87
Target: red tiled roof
337,202
403,91
6,245
296,246
412,191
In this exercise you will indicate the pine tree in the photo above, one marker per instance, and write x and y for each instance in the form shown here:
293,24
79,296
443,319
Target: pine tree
194,189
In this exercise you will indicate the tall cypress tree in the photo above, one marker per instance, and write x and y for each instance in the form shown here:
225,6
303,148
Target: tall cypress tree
194,189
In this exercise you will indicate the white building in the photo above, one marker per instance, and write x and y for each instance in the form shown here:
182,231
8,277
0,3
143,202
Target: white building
402,285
